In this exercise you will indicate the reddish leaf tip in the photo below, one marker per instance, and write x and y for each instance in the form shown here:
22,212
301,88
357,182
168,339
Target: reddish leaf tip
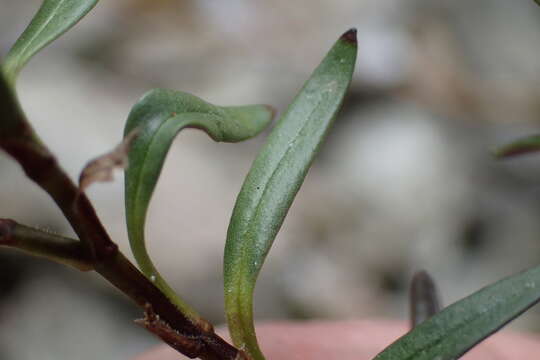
6,230
513,151
272,110
350,36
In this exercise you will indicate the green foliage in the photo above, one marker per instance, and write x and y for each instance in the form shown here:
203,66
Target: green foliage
456,329
261,207
273,181
157,118
53,19
527,145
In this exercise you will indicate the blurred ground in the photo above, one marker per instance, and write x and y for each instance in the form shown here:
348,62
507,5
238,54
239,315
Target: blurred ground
405,181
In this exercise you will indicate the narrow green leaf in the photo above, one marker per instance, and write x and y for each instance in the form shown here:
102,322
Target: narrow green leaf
157,118
274,180
522,146
53,19
452,332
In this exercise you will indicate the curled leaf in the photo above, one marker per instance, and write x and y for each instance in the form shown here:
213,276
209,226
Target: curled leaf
53,18
273,181
101,168
158,117
456,329
522,146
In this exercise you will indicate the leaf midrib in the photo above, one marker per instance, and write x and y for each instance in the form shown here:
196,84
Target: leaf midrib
461,325
241,281
42,27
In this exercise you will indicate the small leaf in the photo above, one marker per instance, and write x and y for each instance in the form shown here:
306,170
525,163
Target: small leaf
53,18
273,181
456,329
424,298
522,146
158,117
101,168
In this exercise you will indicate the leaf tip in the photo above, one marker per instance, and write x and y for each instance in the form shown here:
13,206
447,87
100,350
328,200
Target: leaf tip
519,147
499,153
271,110
350,37
101,168
6,230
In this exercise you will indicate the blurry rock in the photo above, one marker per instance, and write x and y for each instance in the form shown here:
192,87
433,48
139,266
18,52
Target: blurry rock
52,318
399,186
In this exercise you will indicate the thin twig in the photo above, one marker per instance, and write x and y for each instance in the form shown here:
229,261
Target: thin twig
44,244
18,139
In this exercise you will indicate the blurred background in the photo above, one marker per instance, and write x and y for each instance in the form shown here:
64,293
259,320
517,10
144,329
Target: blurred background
405,181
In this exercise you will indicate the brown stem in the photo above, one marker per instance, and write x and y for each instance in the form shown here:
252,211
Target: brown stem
108,261
123,274
40,243
19,140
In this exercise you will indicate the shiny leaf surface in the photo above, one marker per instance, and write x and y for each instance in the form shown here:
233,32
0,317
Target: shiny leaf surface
273,181
53,18
456,329
157,118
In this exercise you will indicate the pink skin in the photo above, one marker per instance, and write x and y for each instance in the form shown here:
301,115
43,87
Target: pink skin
358,340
